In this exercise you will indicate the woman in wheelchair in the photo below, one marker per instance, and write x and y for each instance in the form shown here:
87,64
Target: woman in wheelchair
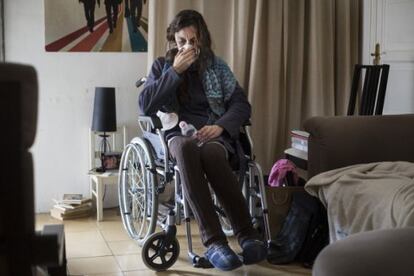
197,85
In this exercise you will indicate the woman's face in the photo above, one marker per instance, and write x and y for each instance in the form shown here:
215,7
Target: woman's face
187,38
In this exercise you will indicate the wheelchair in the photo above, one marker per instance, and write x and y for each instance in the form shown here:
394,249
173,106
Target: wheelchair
146,170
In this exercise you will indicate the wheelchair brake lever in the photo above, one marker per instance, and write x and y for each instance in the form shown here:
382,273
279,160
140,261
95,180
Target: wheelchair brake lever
201,262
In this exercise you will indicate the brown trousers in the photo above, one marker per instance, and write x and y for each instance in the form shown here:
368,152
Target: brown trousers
209,161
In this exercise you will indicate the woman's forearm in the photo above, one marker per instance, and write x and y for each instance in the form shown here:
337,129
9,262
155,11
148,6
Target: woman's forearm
158,91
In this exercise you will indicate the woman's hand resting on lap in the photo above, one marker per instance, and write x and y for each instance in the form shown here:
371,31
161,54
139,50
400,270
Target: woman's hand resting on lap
207,133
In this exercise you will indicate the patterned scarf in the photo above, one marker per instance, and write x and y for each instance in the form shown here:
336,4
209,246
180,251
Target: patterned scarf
218,83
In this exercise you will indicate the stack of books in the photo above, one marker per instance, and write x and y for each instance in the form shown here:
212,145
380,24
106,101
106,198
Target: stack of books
299,140
71,206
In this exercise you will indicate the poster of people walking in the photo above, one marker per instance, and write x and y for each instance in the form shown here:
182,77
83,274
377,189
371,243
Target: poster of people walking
96,25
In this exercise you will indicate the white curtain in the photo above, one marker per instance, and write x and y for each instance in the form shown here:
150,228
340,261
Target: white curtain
294,58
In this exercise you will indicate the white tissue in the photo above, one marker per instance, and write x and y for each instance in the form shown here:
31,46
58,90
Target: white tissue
168,120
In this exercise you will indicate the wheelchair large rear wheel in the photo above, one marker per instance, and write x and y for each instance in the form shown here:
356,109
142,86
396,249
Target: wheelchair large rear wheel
138,200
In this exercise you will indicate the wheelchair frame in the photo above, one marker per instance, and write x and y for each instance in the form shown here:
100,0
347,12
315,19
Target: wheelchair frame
144,173
140,224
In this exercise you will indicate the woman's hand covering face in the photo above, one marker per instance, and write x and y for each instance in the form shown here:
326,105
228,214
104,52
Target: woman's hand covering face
186,40
184,59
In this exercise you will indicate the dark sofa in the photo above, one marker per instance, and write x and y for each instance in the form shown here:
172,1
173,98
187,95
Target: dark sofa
336,142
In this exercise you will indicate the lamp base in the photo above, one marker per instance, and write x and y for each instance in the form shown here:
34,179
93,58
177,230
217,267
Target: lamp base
105,146
100,169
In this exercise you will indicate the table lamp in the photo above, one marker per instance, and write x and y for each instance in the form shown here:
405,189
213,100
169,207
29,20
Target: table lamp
104,118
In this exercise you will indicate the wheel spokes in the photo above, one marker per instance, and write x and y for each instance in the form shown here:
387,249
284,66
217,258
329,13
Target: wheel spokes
163,260
154,257
136,190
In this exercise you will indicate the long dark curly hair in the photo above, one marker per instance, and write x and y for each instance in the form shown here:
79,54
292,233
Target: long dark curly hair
186,18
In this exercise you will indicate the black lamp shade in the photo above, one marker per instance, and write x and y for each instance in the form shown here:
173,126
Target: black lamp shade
104,110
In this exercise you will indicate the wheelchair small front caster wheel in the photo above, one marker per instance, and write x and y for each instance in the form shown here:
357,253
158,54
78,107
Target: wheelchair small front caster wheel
156,255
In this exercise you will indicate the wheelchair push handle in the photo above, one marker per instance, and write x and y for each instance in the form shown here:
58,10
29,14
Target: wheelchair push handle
141,81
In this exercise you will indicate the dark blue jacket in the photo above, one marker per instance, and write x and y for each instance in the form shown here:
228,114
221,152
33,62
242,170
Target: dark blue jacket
161,90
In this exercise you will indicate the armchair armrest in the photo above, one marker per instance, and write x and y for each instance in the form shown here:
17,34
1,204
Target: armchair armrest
341,141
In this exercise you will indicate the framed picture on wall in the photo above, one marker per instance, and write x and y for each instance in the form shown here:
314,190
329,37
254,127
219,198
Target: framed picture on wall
96,25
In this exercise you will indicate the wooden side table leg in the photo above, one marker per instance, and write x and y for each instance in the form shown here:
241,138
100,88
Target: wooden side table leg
99,200
91,188
93,191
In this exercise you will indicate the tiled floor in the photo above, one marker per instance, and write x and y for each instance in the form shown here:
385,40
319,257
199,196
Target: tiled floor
104,249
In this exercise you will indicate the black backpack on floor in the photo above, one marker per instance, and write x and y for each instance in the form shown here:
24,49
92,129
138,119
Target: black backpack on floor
304,233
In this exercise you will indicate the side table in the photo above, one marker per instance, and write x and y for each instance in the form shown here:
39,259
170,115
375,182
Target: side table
97,184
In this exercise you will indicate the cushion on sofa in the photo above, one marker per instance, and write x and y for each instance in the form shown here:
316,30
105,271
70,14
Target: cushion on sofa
366,197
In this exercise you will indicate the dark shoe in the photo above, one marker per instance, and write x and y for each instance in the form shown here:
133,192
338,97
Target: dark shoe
254,251
221,256
111,30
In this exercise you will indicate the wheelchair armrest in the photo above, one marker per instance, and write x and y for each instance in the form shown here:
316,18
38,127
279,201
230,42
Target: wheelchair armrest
154,121
247,123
